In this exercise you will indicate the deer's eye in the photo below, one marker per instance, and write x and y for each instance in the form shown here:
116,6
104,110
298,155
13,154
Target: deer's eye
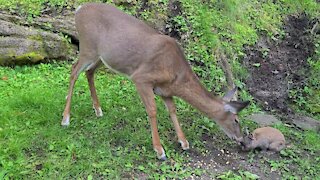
236,120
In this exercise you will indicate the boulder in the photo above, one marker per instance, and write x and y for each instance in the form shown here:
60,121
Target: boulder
59,24
306,123
264,119
27,45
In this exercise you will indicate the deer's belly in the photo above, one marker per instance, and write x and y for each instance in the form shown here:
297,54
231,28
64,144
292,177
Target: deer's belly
125,63
124,68
162,92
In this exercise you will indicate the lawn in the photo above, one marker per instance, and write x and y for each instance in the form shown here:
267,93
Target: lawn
118,145
34,145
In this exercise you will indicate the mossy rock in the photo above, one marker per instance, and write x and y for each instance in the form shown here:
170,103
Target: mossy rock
27,58
21,45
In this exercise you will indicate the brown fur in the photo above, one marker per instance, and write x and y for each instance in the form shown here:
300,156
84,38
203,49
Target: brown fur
265,138
154,62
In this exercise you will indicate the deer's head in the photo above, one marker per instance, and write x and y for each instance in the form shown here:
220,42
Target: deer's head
228,117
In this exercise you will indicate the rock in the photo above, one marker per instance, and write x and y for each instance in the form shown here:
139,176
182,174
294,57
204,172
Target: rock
306,123
64,25
26,45
264,119
60,24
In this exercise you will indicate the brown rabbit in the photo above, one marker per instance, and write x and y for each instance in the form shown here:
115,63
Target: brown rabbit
265,138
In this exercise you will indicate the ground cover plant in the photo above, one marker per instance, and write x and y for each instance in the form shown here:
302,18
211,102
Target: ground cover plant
33,145
118,145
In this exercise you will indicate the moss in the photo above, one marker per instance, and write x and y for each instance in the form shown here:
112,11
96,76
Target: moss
3,61
27,58
36,37
30,57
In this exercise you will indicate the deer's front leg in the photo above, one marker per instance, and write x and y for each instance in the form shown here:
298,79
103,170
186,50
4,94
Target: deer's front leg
147,96
173,114
93,93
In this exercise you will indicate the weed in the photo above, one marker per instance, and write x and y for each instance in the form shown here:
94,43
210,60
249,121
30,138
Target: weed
33,145
242,175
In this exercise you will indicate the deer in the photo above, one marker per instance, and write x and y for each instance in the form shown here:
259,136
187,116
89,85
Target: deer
155,64
265,138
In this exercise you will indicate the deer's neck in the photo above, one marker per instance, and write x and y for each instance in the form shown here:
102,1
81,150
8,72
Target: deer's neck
195,94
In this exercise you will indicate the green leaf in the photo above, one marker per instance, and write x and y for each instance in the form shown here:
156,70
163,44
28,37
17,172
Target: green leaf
141,168
89,177
256,64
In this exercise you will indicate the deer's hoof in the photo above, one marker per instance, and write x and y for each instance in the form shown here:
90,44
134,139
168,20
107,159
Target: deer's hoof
98,111
161,154
184,144
65,121
163,158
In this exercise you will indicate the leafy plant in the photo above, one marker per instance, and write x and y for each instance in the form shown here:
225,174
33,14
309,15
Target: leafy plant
230,175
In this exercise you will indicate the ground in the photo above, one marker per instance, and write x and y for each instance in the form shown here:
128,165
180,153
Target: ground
118,145
278,66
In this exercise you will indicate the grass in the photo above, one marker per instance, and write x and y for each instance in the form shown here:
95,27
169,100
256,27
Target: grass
118,145
306,100
34,145
209,27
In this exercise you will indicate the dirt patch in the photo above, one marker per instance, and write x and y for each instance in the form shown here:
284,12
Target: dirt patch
172,28
276,67
221,157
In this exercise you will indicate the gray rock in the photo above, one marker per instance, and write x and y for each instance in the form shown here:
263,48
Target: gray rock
27,45
61,24
264,119
306,123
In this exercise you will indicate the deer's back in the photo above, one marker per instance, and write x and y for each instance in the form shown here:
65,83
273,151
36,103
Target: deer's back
123,42
109,18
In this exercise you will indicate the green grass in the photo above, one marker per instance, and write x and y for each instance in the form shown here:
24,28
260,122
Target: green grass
210,27
301,157
306,100
118,145
34,145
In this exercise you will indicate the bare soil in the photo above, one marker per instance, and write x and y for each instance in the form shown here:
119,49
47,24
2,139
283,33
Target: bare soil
222,157
278,66
275,67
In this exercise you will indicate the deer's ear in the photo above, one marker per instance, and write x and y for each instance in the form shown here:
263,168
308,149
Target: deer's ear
229,95
235,106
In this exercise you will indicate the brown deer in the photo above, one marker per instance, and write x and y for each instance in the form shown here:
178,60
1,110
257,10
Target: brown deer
154,62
